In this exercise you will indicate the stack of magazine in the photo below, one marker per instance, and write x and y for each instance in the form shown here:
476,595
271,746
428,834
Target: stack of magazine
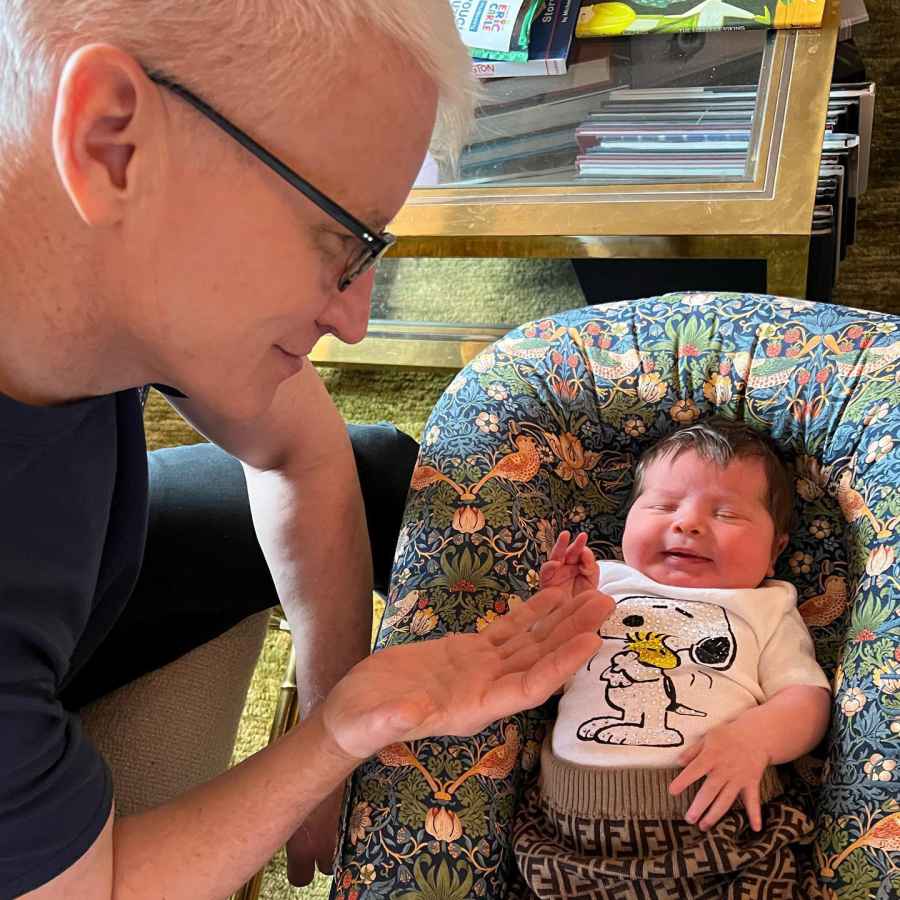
683,134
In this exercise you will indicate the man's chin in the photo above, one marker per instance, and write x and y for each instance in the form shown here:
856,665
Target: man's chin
290,363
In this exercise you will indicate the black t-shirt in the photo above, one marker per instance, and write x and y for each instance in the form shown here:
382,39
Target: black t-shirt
73,521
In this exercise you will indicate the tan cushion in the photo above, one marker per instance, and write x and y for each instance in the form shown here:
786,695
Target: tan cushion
174,728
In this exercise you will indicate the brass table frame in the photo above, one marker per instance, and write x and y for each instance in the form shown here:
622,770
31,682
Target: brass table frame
286,716
768,217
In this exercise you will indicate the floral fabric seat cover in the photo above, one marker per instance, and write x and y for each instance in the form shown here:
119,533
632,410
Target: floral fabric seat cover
541,432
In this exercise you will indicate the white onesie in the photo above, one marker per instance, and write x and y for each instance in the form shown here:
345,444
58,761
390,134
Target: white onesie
675,663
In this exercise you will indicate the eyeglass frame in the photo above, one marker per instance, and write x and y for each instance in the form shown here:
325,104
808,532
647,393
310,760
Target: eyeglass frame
375,243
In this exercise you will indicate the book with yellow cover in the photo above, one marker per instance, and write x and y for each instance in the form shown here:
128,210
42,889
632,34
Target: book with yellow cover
614,17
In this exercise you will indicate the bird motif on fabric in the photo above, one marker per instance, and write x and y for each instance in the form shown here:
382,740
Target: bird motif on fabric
497,763
613,366
521,465
883,835
824,608
402,608
423,476
530,347
862,363
853,505
397,756
777,371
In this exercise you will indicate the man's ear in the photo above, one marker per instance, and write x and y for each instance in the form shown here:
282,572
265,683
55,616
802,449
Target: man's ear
778,545
100,117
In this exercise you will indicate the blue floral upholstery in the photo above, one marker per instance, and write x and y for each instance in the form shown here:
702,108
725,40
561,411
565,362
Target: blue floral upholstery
540,433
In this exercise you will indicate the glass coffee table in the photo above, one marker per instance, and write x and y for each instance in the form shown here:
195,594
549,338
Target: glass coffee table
560,168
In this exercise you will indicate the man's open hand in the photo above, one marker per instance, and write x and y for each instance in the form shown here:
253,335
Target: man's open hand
460,683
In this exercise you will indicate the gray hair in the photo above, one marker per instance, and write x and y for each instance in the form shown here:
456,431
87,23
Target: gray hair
233,38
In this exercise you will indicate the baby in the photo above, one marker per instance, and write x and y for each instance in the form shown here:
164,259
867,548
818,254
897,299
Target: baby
707,679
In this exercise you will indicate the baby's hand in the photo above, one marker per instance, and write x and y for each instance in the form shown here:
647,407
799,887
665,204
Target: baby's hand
572,566
732,760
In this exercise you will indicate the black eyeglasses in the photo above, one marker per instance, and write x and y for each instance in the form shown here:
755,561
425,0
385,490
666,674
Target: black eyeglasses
374,244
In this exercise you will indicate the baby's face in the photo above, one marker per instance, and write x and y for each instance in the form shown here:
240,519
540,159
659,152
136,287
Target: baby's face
698,525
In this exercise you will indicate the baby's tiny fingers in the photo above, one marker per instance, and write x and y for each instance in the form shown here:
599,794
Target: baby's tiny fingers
588,563
685,779
690,753
704,799
722,804
573,551
559,548
549,571
750,796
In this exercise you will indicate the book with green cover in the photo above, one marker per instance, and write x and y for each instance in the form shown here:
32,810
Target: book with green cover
608,19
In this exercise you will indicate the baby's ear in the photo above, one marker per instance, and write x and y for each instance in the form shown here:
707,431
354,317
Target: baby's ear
778,545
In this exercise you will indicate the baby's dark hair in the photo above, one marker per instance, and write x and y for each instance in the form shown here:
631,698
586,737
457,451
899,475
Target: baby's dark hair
719,441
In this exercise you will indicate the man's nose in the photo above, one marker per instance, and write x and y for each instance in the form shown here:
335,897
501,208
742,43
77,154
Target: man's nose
347,312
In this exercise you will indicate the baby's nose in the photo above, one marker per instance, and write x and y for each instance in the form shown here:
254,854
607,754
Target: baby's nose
688,525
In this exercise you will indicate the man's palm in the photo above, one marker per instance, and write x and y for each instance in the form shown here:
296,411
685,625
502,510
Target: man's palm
460,683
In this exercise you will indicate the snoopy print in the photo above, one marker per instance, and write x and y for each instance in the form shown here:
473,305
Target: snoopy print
656,636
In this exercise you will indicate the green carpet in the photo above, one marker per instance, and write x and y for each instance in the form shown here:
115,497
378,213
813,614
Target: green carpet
517,290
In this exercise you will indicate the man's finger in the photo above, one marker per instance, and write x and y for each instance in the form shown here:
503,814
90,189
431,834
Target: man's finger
586,611
524,616
551,620
520,690
548,611
576,615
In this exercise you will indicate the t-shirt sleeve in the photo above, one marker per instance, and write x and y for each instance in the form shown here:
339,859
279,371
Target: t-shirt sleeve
55,489
55,789
789,657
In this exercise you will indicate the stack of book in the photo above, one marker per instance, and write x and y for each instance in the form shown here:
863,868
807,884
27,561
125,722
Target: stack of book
548,48
526,127
705,134
595,135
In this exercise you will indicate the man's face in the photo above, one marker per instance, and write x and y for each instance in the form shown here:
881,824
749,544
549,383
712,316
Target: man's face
696,524
235,272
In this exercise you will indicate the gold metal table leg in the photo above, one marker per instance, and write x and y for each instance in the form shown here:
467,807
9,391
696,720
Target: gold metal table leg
285,719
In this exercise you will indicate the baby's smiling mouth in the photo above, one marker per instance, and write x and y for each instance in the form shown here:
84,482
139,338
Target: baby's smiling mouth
684,553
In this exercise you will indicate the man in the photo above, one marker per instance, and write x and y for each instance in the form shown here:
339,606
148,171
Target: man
141,243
